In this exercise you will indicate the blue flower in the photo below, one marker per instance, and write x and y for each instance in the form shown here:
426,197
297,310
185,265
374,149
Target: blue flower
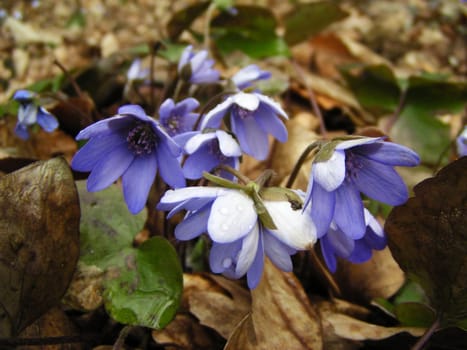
247,75
136,72
461,143
208,150
197,68
240,240
343,169
252,117
131,145
29,114
178,118
335,243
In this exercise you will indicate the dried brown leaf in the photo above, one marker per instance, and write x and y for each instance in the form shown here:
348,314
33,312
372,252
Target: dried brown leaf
39,241
281,316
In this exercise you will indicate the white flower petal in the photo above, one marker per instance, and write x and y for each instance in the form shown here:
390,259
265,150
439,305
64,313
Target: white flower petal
248,252
215,115
331,173
228,145
249,102
273,104
182,194
357,142
371,221
196,141
232,216
294,227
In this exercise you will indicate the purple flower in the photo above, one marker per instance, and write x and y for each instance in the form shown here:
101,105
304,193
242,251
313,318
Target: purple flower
207,150
461,143
29,114
252,117
197,68
344,168
131,145
240,240
178,118
247,75
136,72
335,243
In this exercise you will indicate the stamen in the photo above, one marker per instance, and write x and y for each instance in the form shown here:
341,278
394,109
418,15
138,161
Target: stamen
141,139
352,165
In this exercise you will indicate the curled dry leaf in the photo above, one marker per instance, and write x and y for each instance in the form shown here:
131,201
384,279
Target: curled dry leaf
54,323
281,316
39,241
378,277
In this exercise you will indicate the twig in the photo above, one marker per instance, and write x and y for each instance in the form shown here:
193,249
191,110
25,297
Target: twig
121,338
69,77
420,344
312,99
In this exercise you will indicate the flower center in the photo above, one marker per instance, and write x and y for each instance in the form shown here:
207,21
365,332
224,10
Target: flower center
242,112
173,125
352,165
141,139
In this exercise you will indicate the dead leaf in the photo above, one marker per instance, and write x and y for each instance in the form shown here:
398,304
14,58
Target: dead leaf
285,155
54,323
26,34
39,241
427,237
281,316
378,277
185,333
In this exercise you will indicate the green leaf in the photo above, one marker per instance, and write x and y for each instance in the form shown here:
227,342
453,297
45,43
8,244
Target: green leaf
375,87
251,30
142,285
427,237
413,314
107,227
148,292
307,19
182,19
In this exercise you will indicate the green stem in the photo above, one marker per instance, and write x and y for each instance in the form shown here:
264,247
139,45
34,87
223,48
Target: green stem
300,161
178,89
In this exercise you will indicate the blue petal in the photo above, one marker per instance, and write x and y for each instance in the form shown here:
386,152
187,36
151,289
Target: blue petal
374,241
169,167
322,208
278,252
110,168
206,76
388,153
185,57
134,110
348,213
137,181
361,253
105,127
96,148
328,254
255,272
269,122
228,145
23,96
198,162
21,131
214,117
222,256
46,120
193,225
380,182
341,243
253,140
165,110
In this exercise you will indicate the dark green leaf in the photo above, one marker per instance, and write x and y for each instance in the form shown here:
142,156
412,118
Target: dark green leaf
307,19
148,292
107,227
427,237
251,30
182,19
375,87
414,314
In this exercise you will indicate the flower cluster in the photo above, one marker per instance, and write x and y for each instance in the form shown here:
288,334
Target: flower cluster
30,113
245,220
